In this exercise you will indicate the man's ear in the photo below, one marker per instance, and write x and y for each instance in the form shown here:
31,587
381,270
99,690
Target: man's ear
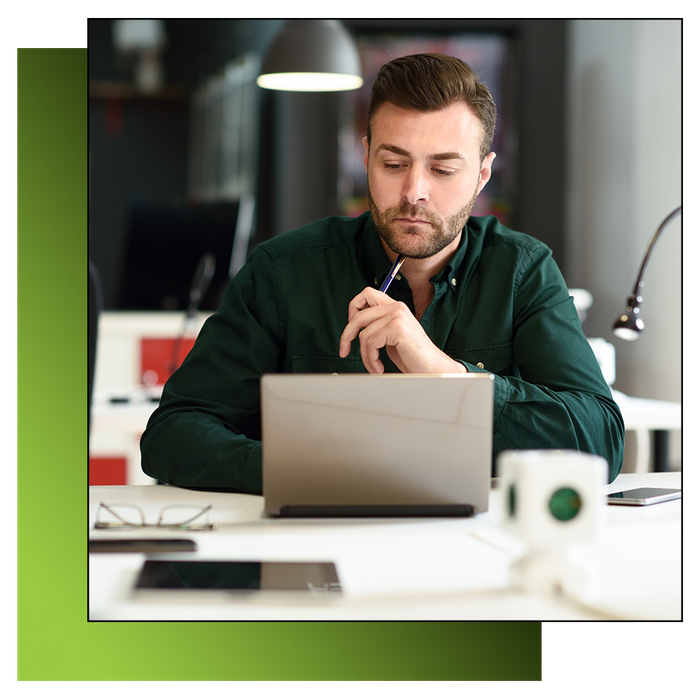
365,143
485,172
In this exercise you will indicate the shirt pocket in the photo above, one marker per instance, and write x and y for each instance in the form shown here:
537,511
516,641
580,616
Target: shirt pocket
492,358
318,364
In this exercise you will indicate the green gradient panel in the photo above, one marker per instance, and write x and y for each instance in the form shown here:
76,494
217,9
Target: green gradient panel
335,651
55,640
51,356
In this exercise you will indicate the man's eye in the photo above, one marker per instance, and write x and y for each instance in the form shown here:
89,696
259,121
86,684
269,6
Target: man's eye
393,166
444,173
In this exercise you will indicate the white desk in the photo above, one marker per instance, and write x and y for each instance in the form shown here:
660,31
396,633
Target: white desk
647,416
414,569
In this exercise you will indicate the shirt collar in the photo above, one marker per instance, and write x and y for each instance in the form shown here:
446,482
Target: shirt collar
379,265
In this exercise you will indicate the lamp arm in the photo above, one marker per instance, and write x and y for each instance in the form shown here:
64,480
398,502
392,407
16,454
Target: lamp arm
640,277
629,326
200,285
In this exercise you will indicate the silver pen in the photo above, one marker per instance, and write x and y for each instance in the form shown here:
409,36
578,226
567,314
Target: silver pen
392,273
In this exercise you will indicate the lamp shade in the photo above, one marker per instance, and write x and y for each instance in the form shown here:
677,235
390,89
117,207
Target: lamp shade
311,55
630,325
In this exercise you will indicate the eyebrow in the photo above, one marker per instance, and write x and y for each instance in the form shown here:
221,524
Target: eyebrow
447,155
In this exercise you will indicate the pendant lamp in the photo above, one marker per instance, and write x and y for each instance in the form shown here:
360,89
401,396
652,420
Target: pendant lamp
311,55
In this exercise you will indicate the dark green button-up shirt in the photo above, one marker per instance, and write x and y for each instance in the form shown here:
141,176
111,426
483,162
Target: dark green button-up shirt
500,306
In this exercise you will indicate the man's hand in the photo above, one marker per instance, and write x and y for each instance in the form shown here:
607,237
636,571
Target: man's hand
380,322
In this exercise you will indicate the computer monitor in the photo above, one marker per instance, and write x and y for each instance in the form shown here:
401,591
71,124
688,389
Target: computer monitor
165,243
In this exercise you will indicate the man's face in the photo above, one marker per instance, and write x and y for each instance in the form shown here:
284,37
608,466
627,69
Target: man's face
423,175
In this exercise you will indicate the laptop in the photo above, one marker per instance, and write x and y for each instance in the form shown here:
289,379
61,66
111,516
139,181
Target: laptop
401,445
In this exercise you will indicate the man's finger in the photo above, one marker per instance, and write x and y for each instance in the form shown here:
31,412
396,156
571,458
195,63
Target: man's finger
361,319
366,298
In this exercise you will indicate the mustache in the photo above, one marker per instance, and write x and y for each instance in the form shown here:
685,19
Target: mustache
412,211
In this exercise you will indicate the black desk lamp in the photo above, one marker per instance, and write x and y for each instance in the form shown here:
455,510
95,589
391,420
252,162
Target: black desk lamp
630,325
200,285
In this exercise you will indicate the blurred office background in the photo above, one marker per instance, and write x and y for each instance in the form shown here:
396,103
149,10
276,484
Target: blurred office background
184,146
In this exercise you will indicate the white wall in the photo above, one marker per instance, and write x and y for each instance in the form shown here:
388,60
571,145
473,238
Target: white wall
624,178
624,138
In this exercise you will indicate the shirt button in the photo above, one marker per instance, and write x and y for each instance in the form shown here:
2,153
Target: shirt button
480,365
454,282
398,277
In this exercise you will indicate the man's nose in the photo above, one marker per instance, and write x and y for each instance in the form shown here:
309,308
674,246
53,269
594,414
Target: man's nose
415,187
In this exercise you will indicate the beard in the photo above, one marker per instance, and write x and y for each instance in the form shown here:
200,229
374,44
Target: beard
412,241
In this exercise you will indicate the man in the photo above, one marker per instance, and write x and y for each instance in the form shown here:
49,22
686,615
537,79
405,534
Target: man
471,296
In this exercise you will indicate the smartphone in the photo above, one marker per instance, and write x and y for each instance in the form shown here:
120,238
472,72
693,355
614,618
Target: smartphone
642,497
238,576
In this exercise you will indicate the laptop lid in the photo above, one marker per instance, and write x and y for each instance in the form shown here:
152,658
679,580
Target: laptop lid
376,445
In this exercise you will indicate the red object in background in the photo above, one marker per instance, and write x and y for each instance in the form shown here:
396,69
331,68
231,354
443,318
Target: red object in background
107,471
158,358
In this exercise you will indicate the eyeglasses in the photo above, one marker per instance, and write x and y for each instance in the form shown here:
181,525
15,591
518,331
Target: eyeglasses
177,517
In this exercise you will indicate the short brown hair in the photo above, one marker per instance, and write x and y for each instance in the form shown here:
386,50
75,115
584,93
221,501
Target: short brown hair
428,82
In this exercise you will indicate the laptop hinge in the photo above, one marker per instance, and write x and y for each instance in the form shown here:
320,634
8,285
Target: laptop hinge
377,511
